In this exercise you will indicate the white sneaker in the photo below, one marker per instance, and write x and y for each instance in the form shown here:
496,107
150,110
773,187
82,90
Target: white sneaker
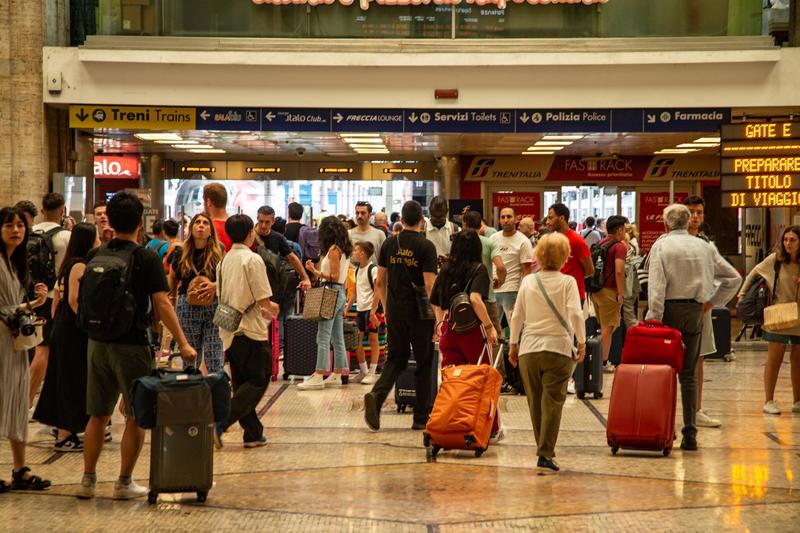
315,382
704,421
609,368
771,408
333,381
796,407
129,491
571,386
357,378
86,490
500,435
370,379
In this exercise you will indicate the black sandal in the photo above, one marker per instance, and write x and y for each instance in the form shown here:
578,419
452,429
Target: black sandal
20,482
4,487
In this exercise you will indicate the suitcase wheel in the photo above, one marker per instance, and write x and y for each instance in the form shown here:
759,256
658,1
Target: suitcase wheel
598,395
152,497
469,440
426,440
479,451
580,395
666,451
614,450
433,451
401,408
201,496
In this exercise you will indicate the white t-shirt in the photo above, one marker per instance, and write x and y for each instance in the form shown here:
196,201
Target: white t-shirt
373,235
60,243
514,251
344,265
365,292
440,237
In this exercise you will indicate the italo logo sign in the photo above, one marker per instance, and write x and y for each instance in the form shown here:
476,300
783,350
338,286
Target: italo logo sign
108,166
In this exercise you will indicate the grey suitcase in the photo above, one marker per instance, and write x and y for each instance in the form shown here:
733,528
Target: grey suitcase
182,443
588,374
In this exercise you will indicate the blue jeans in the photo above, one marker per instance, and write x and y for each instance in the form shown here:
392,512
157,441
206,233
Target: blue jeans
331,332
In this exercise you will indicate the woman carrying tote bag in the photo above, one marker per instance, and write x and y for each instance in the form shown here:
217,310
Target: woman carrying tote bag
336,247
787,254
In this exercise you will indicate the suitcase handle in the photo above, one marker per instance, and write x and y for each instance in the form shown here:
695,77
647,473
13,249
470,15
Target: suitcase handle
652,324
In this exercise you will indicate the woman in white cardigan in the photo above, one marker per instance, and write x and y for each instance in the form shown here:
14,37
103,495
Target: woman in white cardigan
542,342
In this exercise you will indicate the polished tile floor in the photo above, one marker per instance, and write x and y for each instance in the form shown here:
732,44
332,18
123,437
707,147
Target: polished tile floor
323,471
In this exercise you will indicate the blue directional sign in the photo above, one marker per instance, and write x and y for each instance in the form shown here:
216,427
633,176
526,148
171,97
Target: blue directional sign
301,119
685,119
367,120
228,118
459,120
564,120
626,120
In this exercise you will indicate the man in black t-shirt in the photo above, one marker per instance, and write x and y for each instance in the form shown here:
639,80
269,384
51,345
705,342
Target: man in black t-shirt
295,212
113,366
405,260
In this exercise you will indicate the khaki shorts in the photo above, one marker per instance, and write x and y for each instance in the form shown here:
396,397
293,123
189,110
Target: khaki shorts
112,370
606,307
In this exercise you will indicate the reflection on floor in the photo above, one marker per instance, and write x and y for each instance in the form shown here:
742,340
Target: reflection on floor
323,471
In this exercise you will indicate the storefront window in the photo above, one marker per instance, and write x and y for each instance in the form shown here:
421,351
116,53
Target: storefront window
594,18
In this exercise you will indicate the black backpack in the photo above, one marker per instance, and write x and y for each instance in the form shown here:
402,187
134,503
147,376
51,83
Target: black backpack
462,316
106,304
277,273
595,282
42,256
750,309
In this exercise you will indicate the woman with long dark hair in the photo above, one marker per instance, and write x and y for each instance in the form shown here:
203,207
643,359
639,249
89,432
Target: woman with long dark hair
333,266
62,403
786,259
463,271
199,256
14,378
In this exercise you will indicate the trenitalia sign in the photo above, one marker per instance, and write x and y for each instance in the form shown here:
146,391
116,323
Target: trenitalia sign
588,169
364,4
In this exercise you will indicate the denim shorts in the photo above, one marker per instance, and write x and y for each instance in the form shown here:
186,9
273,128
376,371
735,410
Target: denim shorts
780,338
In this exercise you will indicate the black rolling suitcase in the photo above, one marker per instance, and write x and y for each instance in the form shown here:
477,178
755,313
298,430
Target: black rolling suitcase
617,341
721,318
405,388
588,374
181,408
299,347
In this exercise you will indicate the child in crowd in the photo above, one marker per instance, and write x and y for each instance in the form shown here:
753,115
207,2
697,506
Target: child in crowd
366,300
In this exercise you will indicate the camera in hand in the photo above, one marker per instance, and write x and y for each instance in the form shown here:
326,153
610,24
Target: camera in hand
21,323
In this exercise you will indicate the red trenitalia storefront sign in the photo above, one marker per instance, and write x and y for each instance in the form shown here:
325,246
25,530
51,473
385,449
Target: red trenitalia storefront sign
116,167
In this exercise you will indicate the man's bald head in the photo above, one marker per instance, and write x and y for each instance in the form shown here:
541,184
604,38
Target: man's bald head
526,226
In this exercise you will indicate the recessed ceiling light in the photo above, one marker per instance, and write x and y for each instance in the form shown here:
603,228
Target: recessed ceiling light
158,136
372,151
708,140
562,137
360,134
544,148
553,143
368,140
178,142
698,145
677,150
198,146
367,146
207,150
537,153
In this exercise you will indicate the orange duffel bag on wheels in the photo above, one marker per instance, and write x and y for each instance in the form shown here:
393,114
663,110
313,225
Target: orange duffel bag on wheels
465,409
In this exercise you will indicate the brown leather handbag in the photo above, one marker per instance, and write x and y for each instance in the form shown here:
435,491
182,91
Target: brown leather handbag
192,292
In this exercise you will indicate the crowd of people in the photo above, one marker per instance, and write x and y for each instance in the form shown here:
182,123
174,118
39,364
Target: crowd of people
531,285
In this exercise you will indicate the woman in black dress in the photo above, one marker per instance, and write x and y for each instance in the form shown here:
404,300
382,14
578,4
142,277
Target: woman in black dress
62,403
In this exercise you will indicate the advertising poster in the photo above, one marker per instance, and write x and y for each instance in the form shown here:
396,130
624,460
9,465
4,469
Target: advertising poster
524,203
651,218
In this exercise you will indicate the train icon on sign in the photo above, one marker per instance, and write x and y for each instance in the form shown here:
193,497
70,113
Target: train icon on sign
98,115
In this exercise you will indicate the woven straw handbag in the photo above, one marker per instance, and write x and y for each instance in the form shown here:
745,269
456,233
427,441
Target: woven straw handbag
320,303
780,317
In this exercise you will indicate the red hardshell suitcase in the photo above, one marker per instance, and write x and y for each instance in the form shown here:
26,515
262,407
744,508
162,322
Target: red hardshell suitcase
275,338
653,343
641,415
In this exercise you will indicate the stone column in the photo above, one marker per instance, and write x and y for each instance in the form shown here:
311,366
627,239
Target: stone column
449,176
24,173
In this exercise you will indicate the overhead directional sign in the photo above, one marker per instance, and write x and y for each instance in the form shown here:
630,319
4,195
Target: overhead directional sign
433,120
458,120
132,117
302,119
761,199
564,120
367,120
685,119
229,118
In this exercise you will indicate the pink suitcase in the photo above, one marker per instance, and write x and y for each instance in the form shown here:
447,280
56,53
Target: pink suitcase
641,415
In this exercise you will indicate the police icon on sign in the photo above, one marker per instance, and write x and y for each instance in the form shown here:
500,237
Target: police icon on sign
536,118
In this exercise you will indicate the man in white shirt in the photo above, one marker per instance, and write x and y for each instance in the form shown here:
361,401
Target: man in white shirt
365,232
57,237
687,279
242,283
438,229
589,233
